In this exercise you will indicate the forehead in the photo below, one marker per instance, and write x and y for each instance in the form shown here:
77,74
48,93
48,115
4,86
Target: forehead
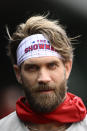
42,60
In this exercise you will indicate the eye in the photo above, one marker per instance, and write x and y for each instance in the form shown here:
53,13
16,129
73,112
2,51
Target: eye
31,68
52,65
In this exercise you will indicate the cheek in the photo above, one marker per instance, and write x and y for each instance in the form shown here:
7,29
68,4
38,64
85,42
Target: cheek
29,79
58,75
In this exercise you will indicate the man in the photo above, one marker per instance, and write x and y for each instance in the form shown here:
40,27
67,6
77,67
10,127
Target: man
42,54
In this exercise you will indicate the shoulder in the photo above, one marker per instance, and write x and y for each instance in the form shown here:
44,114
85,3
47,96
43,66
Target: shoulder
79,126
11,123
9,117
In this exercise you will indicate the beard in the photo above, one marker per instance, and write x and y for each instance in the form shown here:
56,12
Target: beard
45,102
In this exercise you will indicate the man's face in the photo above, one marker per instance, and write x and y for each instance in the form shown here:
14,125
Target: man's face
44,81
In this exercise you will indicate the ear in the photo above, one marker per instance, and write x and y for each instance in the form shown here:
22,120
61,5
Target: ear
17,71
68,67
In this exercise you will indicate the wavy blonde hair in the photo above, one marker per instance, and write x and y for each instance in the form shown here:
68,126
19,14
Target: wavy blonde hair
51,29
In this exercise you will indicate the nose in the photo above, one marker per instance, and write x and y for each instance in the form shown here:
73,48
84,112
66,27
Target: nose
44,76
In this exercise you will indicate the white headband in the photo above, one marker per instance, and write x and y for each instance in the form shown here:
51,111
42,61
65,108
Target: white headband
35,46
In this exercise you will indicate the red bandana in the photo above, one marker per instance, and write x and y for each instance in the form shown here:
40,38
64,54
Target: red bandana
71,110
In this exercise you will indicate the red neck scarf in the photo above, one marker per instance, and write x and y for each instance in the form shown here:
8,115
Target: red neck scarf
71,110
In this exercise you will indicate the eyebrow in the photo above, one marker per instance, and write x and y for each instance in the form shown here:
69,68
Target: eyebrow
36,63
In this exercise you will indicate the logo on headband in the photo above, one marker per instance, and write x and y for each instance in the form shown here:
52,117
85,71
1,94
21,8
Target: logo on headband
43,46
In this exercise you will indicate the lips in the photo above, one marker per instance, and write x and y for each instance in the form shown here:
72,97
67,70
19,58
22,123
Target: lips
43,88
46,90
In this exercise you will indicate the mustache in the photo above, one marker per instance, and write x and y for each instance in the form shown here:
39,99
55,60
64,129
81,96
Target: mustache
43,87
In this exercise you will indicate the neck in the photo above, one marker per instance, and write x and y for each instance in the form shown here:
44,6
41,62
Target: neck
47,127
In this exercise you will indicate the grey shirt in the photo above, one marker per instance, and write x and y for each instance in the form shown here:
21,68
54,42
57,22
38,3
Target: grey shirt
13,123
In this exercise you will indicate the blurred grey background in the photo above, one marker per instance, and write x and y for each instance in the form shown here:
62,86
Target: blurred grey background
72,14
